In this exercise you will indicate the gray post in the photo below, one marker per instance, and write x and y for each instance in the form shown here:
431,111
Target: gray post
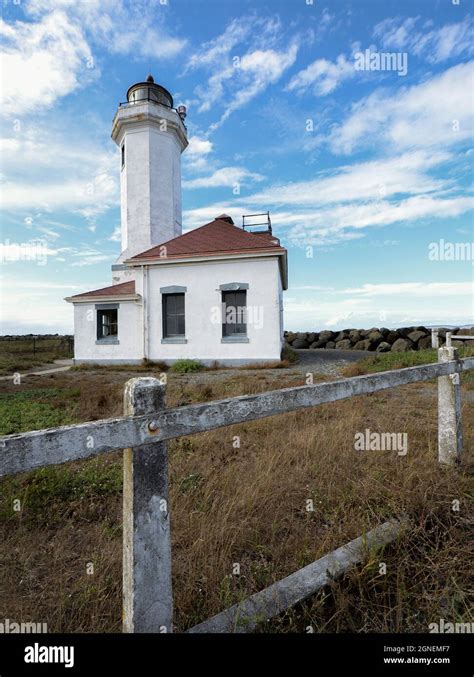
449,412
147,593
434,338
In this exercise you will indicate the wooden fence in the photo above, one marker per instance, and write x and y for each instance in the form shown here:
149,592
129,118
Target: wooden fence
143,432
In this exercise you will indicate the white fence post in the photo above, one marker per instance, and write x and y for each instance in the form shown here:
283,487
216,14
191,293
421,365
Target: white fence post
449,411
147,592
434,338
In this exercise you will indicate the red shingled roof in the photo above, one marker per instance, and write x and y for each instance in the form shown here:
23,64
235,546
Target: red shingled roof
122,289
217,237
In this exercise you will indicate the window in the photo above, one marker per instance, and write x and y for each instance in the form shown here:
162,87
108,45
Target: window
123,154
107,323
173,315
234,313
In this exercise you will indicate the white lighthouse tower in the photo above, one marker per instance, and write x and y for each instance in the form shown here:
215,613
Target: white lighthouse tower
151,136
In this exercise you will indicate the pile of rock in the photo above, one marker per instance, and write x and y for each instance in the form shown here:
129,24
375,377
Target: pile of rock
381,339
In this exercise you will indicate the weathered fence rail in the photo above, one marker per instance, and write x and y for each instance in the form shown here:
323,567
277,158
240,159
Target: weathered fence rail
26,451
143,432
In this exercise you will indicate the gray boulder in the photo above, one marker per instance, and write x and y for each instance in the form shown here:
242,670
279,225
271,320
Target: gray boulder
354,335
299,343
364,344
383,347
326,335
330,345
404,331
392,336
345,344
401,345
424,343
416,335
318,344
374,335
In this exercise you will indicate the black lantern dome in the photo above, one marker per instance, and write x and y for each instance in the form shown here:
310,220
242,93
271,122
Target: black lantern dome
149,91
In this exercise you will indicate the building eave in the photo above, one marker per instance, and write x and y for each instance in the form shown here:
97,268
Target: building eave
103,299
193,258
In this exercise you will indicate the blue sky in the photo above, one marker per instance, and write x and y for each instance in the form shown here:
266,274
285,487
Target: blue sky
362,170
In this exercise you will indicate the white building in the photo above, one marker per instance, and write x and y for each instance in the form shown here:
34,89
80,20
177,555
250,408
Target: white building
212,294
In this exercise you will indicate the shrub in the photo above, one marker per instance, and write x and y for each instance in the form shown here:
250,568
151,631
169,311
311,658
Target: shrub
288,354
185,366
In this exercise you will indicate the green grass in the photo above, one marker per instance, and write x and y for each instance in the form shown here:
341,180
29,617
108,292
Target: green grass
57,487
36,409
186,366
387,361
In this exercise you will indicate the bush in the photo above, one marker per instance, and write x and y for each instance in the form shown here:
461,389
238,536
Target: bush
185,366
288,354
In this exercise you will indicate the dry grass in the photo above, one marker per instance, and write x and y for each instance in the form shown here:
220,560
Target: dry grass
247,505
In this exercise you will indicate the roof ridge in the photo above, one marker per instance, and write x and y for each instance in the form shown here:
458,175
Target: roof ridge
225,237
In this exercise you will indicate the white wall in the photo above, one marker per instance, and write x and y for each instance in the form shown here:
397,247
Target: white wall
123,275
203,295
150,181
130,346
203,336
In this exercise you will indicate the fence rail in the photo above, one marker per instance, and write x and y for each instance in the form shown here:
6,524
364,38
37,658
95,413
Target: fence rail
26,451
143,432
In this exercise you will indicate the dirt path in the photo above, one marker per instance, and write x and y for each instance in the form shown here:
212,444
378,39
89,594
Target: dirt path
61,365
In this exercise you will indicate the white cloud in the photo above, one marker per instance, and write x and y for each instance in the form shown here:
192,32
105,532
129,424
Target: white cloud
196,157
198,146
50,55
256,72
117,234
41,62
436,113
419,289
322,76
436,45
239,75
226,176
397,33
47,170
338,208
136,28
341,222
85,256
88,198
214,51
397,304
374,180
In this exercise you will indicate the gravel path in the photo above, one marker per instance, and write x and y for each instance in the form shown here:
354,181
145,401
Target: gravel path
325,362
61,365
329,362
